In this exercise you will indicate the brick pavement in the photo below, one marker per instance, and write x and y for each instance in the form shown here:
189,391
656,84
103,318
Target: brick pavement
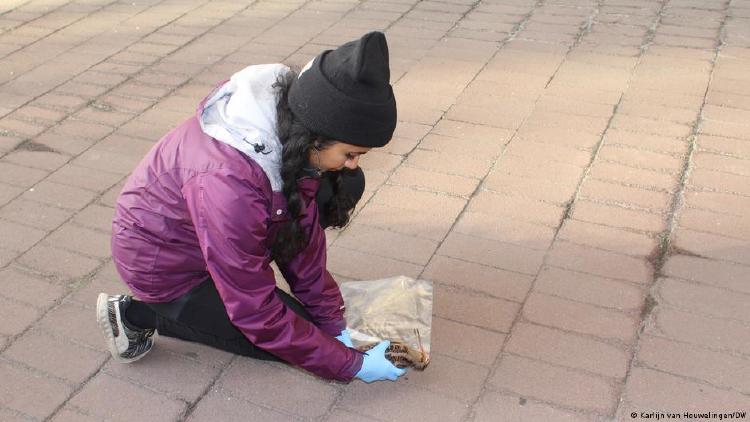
572,175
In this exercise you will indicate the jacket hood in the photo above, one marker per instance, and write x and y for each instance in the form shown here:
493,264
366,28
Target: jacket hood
242,114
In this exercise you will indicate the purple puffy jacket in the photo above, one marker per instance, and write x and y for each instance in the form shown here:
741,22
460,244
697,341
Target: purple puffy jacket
196,207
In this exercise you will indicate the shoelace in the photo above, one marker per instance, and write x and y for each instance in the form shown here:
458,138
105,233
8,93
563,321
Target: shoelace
146,334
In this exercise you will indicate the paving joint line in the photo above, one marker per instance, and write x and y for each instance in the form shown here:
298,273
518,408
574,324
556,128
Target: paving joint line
695,380
651,188
85,15
664,247
725,154
463,16
373,194
339,392
15,7
610,379
405,156
728,236
4,360
648,39
134,382
75,45
611,341
192,405
523,400
84,412
358,6
517,28
582,31
402,158
359,207
611,202
72,158
92,273
145,68
93,100
635,165
586,28
677,202
730,352
233,360
18,413
56,304
166,393
76,389
468,291
706,315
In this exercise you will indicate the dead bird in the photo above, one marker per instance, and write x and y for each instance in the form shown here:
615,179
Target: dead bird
402,355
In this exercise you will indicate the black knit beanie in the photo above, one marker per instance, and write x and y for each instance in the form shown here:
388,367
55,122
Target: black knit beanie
345,94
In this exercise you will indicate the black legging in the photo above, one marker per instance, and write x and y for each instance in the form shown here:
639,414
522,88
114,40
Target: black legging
200,316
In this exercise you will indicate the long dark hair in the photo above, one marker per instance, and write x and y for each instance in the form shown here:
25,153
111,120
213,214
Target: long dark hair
297,141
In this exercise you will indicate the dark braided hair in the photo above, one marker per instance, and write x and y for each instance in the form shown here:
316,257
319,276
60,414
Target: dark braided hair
297,141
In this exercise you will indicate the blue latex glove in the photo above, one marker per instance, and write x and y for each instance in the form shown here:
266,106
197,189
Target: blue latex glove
375,367
345,338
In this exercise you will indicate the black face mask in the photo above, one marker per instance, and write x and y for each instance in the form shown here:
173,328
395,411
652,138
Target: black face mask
310,170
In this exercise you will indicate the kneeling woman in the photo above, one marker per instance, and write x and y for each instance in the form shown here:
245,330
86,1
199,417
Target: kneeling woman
266,164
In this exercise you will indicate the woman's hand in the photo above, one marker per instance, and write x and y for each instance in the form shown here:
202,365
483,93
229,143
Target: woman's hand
375,366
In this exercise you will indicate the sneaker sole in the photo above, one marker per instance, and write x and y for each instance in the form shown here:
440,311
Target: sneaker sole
102,317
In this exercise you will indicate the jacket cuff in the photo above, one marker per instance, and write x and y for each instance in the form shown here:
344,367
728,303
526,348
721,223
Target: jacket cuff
333,328
347,373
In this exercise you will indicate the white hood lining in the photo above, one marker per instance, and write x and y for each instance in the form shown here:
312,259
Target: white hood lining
242,113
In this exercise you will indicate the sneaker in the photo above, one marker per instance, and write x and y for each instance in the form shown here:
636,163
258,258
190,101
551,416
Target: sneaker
126,344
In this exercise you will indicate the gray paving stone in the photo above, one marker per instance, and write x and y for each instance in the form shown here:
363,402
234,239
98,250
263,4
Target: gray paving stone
29,392
25,287
96,399
31,214
58,262
217,406
163,371
273,384
41,351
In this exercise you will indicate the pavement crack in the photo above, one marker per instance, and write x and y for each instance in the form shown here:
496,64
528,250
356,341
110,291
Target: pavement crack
678,197
101,106
33,146
649,304
570,205
659,254
191,406
665,246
